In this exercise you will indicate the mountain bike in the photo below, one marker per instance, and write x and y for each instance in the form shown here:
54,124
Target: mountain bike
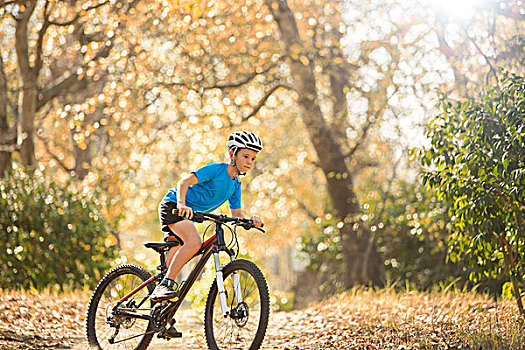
122,316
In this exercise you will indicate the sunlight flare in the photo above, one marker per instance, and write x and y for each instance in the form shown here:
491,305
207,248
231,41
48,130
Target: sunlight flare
460,10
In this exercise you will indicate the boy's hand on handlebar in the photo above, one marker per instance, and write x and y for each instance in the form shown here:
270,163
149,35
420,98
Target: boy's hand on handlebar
185,212
257,222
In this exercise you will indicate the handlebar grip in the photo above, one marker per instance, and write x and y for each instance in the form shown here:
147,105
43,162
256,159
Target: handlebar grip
249,225
197,216
250,222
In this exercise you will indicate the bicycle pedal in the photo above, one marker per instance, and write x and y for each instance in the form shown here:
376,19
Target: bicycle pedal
170,334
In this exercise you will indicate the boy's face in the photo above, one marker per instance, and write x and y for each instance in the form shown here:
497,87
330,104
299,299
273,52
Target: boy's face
245,159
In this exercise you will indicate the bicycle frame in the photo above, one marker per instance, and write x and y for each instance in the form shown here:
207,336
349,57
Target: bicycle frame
213,245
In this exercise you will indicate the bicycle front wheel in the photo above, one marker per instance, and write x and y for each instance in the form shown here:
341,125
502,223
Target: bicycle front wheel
245,326
109,331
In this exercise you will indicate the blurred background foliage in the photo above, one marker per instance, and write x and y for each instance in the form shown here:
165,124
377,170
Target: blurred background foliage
52,234
411,228
126,97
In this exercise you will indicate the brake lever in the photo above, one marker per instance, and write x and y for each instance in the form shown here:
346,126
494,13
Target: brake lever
248,227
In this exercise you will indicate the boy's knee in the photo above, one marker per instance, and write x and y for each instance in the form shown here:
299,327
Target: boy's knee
192,242
195,243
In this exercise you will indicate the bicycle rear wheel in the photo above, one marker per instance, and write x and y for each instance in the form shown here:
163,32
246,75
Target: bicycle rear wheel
103,325
244,328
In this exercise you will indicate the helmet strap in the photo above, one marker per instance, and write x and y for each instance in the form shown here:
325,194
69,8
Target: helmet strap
235,164
238,171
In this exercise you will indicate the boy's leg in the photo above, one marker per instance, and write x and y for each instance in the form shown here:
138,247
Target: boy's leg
177,258
172,251
192,243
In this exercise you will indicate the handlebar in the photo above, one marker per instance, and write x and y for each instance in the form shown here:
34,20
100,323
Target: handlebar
199,216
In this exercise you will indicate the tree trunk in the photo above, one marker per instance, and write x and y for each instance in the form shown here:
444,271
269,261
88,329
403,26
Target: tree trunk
26,125
512,270
5,160
354,236
29,89
6,141
83,158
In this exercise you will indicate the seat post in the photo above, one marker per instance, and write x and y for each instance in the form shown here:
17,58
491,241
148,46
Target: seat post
162,266
162,248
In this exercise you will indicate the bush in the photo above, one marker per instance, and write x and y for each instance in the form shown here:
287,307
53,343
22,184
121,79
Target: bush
52,235
476,161
411,228
413,238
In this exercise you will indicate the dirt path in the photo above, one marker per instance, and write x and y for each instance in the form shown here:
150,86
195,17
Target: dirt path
192,327
361,319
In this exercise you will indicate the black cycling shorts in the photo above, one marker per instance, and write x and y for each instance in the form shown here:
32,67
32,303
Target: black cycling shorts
167,218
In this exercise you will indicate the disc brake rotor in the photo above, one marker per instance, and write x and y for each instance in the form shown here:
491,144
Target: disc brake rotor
241,314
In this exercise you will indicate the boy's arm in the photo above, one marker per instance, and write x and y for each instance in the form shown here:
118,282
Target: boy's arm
182,189
238,214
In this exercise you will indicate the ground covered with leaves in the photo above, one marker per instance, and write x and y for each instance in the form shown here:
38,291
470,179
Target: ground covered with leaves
30,320
388,320
358,319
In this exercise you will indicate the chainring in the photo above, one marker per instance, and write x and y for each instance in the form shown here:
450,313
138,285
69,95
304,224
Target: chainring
159,323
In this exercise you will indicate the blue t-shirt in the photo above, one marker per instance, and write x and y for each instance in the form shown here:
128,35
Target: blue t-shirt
215,186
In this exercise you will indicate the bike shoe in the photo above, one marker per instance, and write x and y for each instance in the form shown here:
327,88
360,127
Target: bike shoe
173,333
163,292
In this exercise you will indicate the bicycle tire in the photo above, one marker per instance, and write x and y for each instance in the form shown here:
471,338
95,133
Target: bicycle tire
245,333
112,287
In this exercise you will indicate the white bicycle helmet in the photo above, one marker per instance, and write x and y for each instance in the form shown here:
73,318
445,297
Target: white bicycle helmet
244,139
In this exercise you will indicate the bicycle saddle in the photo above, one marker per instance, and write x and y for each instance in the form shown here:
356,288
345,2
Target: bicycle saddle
161,246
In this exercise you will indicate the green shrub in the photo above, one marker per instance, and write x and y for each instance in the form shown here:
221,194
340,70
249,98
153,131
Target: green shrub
411,228
52,234
476,161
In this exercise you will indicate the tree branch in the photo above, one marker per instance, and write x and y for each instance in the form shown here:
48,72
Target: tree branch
78,15
242,82
223,86
44,141
73,77
71,80
40,41
57,89
5,3
508,11
21,44
369,122
492,68
307,210
263,100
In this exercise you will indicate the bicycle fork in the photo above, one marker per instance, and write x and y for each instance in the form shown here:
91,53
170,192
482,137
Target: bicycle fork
220,286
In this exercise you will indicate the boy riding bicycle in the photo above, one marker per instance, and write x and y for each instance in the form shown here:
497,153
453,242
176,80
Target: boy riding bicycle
203,190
